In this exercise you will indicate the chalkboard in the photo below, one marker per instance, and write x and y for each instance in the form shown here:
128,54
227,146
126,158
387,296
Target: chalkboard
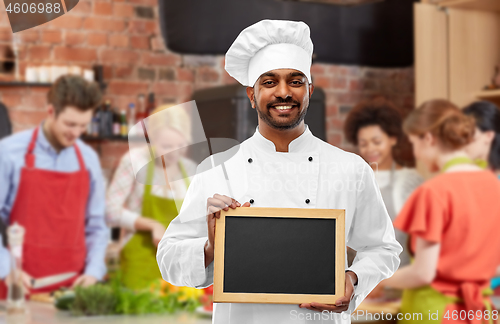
279,255
378,34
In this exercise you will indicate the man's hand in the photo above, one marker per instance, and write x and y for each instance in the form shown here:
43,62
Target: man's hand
26,278
214,205
84,281
341,304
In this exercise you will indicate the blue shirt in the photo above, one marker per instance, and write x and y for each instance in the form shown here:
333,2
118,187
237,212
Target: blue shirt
12,152
4,260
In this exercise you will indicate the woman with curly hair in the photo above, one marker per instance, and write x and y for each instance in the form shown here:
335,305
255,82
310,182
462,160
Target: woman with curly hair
374,126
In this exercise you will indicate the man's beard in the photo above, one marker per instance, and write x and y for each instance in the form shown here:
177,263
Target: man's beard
269,120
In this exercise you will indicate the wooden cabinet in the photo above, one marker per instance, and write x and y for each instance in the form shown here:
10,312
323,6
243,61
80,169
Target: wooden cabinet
457,46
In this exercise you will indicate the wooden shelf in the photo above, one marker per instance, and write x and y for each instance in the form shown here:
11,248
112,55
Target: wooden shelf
489,95
36,84
87,138
114,138
488,5
23,84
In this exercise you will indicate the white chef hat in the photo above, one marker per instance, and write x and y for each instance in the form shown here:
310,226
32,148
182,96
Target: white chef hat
269,45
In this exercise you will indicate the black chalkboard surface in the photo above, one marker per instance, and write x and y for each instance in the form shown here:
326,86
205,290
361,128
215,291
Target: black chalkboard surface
279,255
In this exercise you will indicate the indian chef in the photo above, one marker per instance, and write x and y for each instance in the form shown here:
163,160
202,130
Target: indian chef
282,165
52,185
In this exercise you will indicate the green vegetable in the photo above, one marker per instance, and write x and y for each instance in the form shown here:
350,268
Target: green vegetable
94,300
64,300
113,298
130,302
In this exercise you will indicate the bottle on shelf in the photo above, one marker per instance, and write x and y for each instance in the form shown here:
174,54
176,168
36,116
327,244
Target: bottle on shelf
151,105
96,121
116,123
131,115
141,108
106,120
95,127
123,124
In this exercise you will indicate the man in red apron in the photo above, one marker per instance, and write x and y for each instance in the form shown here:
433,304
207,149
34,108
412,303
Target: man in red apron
51,184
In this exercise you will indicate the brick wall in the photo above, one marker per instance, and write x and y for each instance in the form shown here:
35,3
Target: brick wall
124,37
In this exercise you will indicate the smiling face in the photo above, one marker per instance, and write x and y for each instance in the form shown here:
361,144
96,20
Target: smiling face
281,98
170,143
67,126
375,146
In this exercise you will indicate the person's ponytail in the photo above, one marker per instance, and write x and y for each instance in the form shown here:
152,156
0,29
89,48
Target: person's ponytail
456,130
443,120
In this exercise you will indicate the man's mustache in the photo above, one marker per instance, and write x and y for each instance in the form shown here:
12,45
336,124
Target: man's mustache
281,101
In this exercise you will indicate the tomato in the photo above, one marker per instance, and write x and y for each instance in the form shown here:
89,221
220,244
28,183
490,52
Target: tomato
209,290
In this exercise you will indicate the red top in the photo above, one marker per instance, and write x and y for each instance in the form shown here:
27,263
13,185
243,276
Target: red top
460,210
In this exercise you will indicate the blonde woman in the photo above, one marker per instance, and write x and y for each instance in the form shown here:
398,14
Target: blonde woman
144,211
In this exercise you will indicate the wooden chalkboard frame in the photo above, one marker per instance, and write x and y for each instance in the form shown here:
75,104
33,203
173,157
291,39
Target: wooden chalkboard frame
225,297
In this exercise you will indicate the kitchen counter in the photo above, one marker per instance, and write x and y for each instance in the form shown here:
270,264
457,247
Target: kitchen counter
45,313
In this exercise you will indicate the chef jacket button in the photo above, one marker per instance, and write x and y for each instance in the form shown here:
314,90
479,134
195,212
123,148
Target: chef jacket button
310,158
251,201
250,160
307,201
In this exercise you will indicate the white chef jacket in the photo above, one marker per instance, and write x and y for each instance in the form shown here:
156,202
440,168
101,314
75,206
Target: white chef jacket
312,170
